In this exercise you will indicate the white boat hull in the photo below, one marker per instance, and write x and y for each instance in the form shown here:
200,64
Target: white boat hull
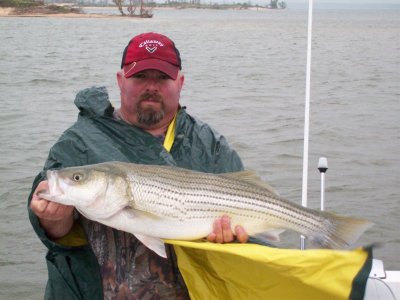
382,285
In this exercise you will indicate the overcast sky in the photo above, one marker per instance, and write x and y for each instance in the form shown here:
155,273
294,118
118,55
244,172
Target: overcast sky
340,3
348,1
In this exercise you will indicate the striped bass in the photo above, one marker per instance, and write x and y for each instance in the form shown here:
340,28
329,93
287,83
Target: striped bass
165,202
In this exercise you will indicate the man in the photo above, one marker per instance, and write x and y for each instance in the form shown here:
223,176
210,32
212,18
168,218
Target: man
87,260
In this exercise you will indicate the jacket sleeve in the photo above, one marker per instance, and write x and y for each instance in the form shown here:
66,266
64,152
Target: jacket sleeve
65,153
73,272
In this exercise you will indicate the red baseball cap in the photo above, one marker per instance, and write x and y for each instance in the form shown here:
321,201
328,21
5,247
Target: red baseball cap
151,51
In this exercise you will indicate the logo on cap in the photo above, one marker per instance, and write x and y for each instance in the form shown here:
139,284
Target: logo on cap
151,45
152,49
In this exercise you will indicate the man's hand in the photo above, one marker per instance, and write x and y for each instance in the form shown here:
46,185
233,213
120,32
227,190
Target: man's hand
222,232
56,219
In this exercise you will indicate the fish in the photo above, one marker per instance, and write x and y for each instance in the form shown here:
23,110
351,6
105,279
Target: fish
156,203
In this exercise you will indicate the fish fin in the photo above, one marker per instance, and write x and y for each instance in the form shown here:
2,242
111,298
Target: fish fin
261,241
154,244
339,231
271,235
144,214
250,177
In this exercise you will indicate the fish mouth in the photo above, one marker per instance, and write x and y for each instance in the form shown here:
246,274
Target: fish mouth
54,192
46,195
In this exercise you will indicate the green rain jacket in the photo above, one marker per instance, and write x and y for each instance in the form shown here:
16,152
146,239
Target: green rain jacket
73,272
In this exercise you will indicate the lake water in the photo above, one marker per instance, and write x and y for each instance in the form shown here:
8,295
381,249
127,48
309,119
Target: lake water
245,75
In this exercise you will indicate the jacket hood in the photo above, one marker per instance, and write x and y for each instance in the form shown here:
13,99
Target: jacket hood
94,101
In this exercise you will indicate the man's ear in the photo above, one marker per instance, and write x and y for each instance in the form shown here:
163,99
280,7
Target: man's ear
120,77
181,79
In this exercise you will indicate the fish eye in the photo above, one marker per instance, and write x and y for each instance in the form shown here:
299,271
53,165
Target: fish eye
77,176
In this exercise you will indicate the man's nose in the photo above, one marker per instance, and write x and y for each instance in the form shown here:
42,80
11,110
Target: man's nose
152,84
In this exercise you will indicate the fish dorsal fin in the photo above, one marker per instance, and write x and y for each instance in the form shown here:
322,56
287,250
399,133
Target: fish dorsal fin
250,177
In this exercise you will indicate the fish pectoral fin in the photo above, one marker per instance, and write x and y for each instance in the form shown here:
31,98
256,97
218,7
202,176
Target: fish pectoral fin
154,244
142,214
270,235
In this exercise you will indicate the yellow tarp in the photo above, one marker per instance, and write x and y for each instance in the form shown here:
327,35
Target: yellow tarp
250,271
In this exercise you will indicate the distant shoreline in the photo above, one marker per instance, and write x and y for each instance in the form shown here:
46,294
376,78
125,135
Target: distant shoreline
12,12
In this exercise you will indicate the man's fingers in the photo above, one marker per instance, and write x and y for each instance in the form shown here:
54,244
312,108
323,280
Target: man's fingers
43,186
53,208
222,232
212,237
227,235
39,206
50,210
218,231
241,234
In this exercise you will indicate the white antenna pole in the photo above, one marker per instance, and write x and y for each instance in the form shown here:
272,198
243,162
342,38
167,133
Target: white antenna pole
307,113
322,167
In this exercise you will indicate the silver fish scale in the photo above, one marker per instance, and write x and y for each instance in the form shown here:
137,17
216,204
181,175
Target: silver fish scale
184,195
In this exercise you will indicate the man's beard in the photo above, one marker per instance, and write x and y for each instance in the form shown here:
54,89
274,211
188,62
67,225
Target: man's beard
148,116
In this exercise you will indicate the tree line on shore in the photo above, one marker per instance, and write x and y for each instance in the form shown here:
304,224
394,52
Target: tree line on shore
141,8
23,7
150,3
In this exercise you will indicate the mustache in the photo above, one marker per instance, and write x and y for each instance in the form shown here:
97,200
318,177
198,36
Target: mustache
154,96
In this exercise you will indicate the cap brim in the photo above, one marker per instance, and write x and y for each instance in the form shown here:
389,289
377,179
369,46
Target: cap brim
151,64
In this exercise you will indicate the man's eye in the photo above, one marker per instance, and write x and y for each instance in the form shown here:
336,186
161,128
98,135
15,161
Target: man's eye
164,76
139,75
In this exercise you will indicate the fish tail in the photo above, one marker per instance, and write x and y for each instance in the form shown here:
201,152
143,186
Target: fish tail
340,232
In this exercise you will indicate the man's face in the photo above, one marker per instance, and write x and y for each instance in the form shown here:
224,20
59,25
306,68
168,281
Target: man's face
149,99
